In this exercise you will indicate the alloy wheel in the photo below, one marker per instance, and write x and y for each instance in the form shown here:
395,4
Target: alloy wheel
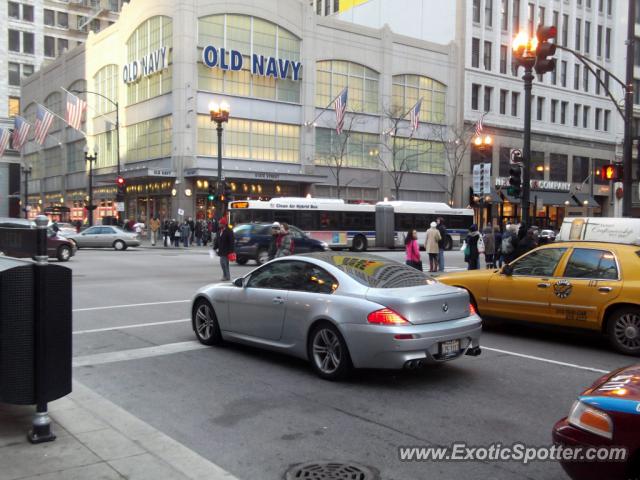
204,322
327,351
627,330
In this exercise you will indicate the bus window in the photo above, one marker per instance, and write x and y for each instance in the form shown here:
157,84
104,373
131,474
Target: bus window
284,216
353,220
404,221
368,221
329,220
306,221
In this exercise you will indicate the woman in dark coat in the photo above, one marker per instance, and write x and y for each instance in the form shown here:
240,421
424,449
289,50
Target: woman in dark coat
472,255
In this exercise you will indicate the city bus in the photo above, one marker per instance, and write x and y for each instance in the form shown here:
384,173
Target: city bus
355,226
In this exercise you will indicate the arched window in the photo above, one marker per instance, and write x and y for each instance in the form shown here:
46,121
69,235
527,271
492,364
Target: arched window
254,38
105,82
150,37
333,75
407,89
54,103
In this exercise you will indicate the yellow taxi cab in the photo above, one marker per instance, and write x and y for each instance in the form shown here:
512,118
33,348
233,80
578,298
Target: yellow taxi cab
583,284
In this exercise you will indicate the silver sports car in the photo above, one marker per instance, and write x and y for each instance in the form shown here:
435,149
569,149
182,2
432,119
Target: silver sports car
340,310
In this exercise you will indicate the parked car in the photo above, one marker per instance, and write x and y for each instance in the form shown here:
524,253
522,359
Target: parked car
340,311
588,285
65,229
547,236
108,236
58,246
605,415
252,242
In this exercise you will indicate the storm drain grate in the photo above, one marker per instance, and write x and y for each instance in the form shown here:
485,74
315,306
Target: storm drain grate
330,471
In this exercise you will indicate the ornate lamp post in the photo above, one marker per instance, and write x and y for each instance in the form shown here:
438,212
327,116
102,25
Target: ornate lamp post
219,114
91,158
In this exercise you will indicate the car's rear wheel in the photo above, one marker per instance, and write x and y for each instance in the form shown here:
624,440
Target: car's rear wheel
205,323
64,253
119,245
262,257
359,243
241,260
623,328
328,352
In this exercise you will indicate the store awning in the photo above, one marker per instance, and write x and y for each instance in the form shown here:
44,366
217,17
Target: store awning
550,199
582,197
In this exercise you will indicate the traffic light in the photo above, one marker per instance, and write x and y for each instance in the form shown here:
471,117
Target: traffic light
612,172
120,183
212,193
545,49
515,181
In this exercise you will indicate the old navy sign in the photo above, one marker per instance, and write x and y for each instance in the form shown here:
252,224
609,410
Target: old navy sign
148,65
260,65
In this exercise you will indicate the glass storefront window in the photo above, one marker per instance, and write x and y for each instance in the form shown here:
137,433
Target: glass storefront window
53,161
422,156
251,139
358,153
75,156
558,165
150,36
149,139
105,83
333,75
248,35
407,89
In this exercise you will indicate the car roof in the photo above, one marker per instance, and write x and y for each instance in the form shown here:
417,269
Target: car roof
592,244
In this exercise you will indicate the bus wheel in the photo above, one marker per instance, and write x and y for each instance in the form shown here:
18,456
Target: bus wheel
359,243
448,244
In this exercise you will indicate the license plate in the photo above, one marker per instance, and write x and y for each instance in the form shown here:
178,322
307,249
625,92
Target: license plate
449,348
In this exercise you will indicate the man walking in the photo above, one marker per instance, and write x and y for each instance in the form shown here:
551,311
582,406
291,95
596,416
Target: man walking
154,226
224,245
284,242
273,243
442,228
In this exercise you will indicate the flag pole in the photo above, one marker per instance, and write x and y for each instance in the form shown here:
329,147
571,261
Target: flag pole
90,108
63,119
325,108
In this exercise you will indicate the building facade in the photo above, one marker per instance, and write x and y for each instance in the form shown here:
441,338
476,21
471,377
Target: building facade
279,67
576,128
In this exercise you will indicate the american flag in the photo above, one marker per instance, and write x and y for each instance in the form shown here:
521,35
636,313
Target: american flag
20,132
44,119
75,107
479,127
5,135
341,107
415,115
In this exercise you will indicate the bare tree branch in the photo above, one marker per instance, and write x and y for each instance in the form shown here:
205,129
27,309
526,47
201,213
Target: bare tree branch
337,156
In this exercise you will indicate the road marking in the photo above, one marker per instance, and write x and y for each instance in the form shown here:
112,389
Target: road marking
136,353
128,305
545,360
124,327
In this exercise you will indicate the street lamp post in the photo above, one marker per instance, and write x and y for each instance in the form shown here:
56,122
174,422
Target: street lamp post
26,171
525,51
91,158
219,114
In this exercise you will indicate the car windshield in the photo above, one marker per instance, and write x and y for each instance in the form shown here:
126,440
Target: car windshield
374,271
242,230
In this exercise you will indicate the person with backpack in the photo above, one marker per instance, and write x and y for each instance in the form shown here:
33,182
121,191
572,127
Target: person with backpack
284,242
472,250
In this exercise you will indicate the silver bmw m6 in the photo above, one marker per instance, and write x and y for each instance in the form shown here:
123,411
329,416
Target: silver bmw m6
340,311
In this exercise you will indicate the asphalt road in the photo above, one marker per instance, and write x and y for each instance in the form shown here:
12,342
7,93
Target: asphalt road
256,413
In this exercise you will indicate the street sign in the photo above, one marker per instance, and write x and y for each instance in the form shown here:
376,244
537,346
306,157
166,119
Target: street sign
180,212
482,179
515,156
120,206
476,179
486,179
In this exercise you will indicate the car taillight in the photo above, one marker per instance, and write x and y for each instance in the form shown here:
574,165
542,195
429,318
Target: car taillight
472,309
386,316
591,420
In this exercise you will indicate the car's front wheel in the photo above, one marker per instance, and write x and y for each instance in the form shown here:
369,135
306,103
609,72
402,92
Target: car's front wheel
205,323
119,245
623,329
328,352
241,260
64,253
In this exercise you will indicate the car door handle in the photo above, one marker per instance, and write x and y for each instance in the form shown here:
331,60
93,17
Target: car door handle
605,289
278,300
544,285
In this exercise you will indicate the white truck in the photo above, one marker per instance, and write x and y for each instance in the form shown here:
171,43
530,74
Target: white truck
600,229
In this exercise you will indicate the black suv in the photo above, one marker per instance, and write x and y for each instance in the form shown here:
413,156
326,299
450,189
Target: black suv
252,242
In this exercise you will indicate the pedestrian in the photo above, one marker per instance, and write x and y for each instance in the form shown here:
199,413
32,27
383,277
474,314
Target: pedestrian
489,247
198,233
175,233
472,253
166,240
224,245
154,226
412,250
192,228
497,240
431,245
509,243
284,242
185,233
526,243
442,244
273,243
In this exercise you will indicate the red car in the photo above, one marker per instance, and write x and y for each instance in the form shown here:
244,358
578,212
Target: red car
606,415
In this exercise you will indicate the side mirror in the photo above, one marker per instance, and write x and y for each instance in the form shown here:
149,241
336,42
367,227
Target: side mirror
507,270
239,282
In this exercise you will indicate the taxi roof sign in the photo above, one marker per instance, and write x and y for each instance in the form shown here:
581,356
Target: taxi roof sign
601,229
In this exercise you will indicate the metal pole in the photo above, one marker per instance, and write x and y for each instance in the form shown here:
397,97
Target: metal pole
90,159
526,150
628,115
218,215
41,423
26,172
118,192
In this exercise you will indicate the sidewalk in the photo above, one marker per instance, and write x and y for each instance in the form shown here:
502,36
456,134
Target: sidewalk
95,440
